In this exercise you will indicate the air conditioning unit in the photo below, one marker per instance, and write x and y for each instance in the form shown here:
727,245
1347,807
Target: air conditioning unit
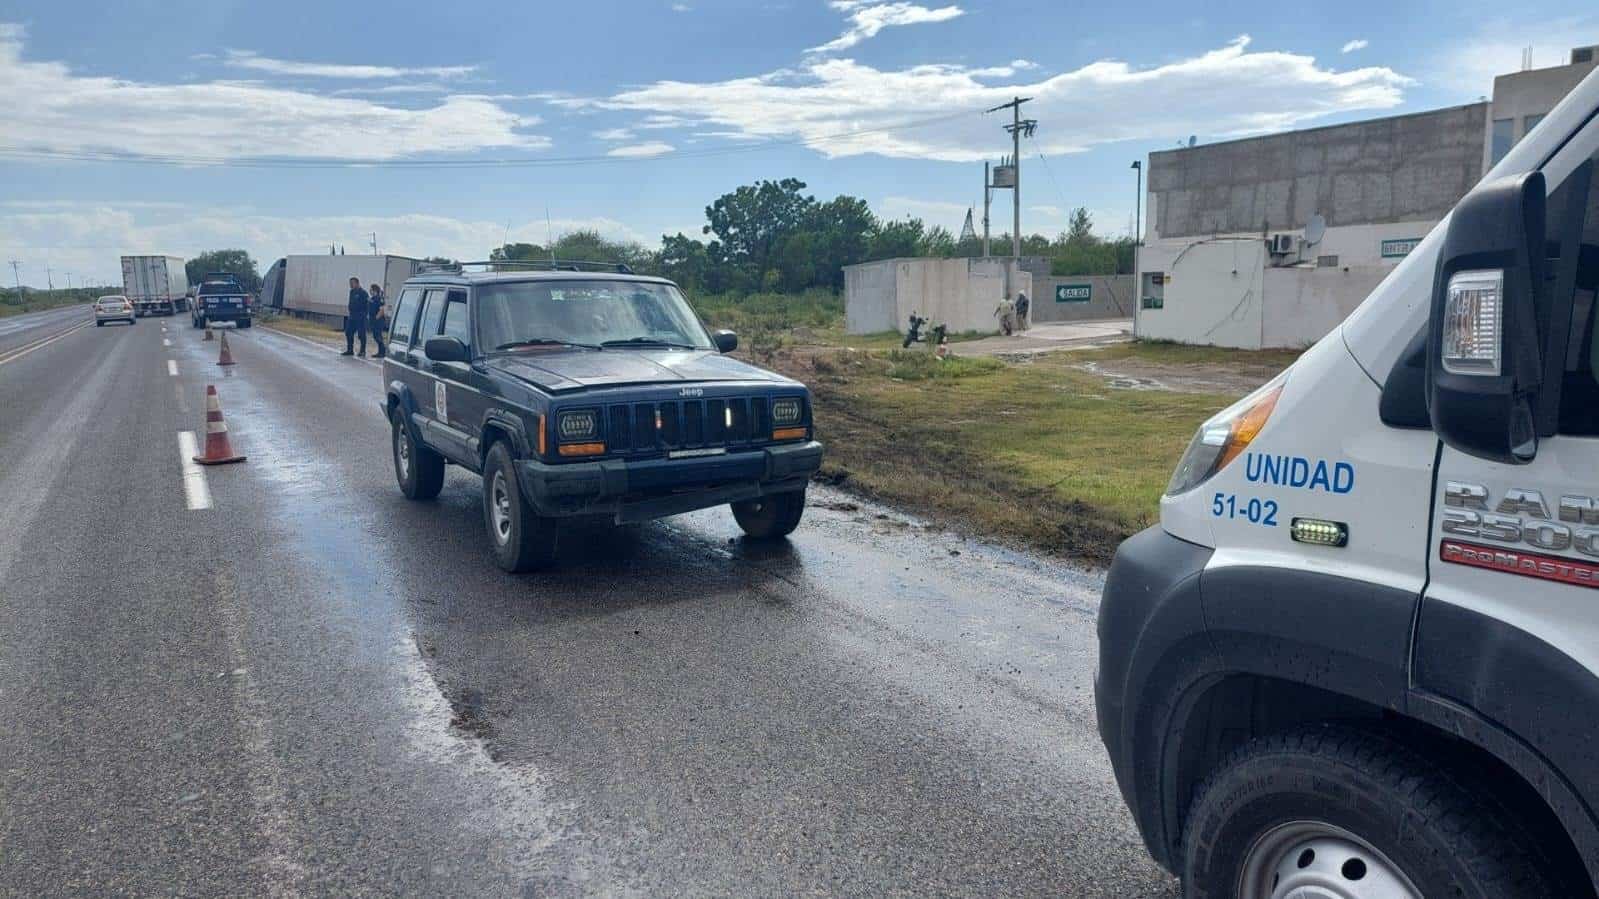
1281,244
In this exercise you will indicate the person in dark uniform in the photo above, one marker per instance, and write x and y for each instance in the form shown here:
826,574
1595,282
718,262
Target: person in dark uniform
1022,305
355,319
377,316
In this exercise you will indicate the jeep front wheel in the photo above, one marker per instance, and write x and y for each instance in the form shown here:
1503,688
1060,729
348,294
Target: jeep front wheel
419,470
1347,814
522,539
772,516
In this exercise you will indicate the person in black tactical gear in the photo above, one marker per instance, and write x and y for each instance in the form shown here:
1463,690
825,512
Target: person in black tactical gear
1022,305
355,319
377,315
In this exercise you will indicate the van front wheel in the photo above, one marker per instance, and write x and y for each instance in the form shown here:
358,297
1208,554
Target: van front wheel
1342,812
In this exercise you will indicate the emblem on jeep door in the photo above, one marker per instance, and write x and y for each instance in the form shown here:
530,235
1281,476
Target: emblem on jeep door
691,391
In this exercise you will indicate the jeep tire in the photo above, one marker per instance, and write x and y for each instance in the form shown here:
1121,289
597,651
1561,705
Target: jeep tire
771,516
522,539
1354,809
419,470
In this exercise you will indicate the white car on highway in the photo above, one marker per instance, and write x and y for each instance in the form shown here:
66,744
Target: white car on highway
113,309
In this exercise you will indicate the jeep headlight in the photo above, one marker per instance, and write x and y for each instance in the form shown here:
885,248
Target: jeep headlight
787,411
1224,437
581,424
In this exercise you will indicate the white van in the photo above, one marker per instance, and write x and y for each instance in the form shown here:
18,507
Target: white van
1359,656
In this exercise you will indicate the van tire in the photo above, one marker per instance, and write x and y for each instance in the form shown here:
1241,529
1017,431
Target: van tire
419,470
771,516
521,538
1415,812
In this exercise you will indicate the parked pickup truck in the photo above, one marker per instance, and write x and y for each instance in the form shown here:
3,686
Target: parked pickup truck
221,298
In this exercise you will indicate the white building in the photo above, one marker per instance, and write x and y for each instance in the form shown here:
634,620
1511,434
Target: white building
1271,241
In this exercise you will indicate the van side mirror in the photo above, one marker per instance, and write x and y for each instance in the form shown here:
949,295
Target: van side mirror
446,349
726,341
1484,351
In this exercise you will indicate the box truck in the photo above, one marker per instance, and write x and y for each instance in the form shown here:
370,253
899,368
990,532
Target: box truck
319,286
1359,654
156,285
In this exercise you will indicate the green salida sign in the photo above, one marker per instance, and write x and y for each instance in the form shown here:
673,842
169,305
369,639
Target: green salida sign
1074,293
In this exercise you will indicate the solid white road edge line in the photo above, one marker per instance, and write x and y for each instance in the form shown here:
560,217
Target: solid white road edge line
321,346
196,495
18,354
172,367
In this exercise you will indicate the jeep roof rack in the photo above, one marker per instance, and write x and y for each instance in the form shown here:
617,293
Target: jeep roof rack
553,265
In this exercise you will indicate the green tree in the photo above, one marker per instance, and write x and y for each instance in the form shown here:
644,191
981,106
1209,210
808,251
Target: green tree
896,239
1081,229
937,241
235,262
751,220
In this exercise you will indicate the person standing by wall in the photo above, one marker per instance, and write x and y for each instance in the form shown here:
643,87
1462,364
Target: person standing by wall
377,314
355,319
1022,306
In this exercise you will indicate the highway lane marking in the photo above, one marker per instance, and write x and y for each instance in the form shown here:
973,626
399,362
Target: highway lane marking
172,367
196,494
40,344
165,342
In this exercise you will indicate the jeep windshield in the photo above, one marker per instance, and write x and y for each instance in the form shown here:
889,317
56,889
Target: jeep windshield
613,314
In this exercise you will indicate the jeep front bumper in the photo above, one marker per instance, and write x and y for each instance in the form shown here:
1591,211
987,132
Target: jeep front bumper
632,490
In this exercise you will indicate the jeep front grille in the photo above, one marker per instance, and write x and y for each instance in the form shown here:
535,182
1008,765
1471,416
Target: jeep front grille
644,428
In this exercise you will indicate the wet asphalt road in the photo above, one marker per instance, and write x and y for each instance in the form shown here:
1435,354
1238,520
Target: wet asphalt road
317,687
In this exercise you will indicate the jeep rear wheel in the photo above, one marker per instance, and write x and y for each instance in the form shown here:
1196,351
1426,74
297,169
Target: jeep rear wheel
1344,813
419,470
522,539
772,516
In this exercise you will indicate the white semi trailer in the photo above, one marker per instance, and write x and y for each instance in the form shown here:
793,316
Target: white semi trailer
319,286
155,284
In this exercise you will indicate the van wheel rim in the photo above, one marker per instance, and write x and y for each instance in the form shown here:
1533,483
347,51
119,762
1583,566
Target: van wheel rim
500,507
1317,860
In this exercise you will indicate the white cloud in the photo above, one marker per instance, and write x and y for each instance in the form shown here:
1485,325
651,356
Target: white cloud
867,18
46,107
839,107
376,90
247,59
1468,67
642,151
87,238
614,134
681,7
1356,44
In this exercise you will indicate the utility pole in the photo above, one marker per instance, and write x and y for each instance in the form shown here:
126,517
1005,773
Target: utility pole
1138,200
14,264
374,243
987,193
49,280
1018,127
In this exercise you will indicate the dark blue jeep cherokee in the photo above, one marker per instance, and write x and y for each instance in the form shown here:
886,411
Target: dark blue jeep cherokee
579,389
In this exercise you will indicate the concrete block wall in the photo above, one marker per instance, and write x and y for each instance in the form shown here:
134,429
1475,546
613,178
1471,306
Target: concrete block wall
1400,168
961,293
1110,296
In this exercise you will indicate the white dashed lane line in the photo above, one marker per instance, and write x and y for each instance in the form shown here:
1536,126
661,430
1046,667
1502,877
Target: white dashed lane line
196,494
172,367
165,342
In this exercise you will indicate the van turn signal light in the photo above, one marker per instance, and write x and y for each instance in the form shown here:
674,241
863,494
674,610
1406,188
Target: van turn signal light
1319,532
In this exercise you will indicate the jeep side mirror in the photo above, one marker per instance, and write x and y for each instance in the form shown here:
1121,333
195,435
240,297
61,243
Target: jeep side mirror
446,349
1484,351
726,341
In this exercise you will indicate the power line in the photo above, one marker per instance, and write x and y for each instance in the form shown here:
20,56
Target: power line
512,162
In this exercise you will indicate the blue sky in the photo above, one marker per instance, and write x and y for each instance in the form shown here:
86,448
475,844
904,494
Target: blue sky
633,116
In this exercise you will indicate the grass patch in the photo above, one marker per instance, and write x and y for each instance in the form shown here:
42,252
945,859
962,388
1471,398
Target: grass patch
302,327
1166,352
1044,454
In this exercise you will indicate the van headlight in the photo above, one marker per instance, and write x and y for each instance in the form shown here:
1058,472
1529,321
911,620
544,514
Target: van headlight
1224,437
786,411
582,424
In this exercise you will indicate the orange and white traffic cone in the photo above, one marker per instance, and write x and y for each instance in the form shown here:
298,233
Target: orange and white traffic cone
226,358
218,450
